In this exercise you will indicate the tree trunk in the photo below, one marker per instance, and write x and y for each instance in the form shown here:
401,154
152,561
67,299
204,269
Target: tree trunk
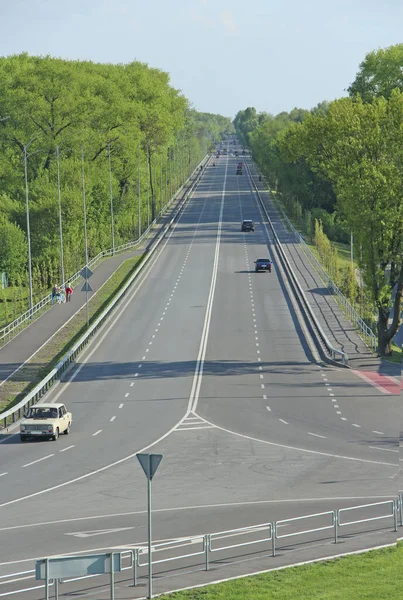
384,340
150,174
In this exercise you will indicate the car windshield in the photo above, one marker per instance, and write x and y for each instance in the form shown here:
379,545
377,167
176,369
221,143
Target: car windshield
39,412
263,260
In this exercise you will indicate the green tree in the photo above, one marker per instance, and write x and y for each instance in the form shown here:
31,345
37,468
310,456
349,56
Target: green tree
13,250
379,74
359,147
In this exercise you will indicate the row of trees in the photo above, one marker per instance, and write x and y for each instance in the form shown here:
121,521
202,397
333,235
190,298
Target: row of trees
346,158
118,133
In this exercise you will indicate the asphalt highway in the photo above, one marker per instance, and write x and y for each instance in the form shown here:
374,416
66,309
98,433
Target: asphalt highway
210,364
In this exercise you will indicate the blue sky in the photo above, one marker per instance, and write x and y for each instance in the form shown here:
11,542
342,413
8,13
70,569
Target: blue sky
223,55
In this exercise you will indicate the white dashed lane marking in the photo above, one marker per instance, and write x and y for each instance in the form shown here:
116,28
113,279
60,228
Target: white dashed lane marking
97,432
121,405
317,435
112,419
38,460
2,474
68,448
384,449
282,421
127,395
378,432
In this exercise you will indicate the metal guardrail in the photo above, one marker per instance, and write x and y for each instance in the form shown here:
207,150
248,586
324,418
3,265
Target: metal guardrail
8,332
341,299
16,412
209,544
333,352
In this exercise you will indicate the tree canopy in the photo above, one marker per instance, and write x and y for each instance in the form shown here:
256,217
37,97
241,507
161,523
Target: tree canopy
134,133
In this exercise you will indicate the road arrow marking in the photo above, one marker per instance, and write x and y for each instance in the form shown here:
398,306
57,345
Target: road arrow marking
86,534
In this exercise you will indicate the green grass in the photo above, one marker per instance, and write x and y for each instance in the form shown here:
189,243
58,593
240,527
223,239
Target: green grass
376,575
32,372
397,354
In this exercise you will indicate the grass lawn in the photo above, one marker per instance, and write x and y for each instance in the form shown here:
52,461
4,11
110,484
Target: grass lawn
375,575
33,371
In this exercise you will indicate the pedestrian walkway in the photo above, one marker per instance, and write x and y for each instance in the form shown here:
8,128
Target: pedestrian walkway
20,349
339,330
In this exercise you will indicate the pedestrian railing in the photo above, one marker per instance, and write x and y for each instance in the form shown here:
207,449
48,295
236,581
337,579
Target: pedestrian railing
319,333
8,332
16,412
340,298
211,548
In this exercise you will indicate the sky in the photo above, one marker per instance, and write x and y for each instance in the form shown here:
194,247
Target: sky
224,55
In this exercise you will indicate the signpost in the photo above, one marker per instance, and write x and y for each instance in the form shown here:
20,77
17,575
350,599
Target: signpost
77,566
149,464
86,273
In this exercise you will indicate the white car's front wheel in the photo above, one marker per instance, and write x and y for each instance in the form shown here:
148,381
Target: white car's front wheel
56,434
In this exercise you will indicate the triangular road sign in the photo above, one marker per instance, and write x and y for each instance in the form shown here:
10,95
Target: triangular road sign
149,463
87,287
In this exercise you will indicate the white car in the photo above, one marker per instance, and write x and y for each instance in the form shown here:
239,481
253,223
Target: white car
46,421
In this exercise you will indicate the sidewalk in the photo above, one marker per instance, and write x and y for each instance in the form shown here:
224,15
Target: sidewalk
339,330
19,350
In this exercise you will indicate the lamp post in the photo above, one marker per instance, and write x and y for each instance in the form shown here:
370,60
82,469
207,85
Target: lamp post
25,148
111,197
85,234
60,213
139,190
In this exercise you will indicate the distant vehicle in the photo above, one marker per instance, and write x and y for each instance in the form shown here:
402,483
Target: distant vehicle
247,225
263,264
239,171
46,421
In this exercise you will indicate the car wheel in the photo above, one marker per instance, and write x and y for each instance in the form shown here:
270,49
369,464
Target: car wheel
23,438
67,430
256,270
56,434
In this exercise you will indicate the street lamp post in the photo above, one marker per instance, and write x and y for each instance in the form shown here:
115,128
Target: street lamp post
111,197
85,234
60,214
139,191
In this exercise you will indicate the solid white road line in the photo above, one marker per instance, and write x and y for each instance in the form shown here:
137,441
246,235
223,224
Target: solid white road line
384,449
197,378
38,460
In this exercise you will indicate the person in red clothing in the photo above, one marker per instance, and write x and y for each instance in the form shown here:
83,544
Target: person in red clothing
69,291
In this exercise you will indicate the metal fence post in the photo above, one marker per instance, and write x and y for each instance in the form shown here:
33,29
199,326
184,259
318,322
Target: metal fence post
207,548
135,560
336,525
273,538
395,508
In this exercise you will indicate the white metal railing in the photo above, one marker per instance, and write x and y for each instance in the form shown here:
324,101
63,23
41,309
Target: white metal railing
208,544
15,413
333,352
341,299
8,332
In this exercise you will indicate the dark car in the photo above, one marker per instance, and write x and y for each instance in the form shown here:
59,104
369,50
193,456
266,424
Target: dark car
239,170
263,264
247,225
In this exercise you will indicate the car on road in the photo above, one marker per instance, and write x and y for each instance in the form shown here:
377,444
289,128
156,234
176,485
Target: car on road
45,421
247,225
263,264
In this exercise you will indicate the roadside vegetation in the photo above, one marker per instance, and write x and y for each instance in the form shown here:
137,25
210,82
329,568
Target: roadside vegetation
339,168
119,137
375,575
13,390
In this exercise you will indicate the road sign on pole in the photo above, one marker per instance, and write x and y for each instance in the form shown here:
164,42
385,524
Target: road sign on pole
149,464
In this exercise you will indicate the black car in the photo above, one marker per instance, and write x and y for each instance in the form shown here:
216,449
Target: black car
263,264
247,225
239,171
